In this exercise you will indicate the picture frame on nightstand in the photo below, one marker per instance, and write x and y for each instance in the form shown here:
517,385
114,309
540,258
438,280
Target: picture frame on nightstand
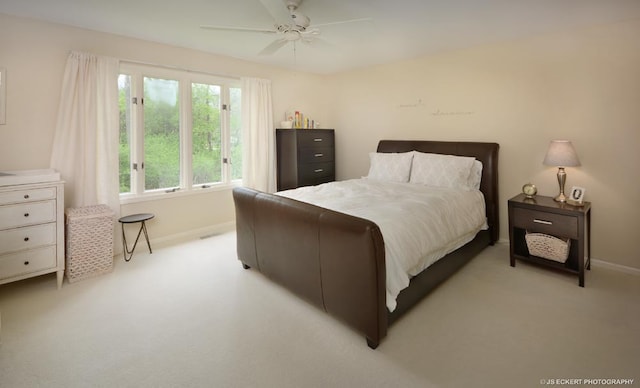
576,196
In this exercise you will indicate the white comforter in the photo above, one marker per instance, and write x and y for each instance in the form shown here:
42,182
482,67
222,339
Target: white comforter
419,224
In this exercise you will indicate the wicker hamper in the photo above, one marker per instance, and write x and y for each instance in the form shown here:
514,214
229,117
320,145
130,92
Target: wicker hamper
548,247
89,241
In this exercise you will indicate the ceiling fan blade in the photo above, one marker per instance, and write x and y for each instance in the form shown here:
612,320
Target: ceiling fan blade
278,10
239,29
273,47
341,22
310,32
316,42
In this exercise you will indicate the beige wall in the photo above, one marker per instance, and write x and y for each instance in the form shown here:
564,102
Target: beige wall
583,86
34,54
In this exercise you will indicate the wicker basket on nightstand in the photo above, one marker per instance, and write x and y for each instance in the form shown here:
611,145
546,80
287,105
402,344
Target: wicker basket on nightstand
89,241
548,247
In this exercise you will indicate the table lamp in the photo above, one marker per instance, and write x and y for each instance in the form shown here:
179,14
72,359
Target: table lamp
561,154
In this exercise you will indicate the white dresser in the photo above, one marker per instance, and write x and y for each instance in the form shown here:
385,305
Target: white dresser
31,226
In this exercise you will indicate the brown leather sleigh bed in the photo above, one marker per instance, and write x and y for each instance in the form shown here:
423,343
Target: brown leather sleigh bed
337,261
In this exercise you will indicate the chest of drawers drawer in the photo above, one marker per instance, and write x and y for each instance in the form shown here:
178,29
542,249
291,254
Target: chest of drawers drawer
30,213
27,237
315,155
315,173
27,195
315,138
25,262
543,222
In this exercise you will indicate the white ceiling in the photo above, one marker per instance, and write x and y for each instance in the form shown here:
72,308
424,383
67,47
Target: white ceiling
397,30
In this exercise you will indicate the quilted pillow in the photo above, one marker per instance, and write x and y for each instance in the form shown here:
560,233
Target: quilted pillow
441,170
393,167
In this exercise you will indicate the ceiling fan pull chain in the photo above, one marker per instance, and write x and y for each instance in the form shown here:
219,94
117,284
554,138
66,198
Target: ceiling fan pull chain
295,53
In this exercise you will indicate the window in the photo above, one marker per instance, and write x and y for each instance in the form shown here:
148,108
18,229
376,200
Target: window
178,130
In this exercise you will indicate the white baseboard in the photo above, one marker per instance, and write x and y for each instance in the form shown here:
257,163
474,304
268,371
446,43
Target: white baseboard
193,234
615,267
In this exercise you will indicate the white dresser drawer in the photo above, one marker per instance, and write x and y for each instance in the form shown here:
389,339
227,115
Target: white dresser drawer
27,237
24,262
12,216
27,195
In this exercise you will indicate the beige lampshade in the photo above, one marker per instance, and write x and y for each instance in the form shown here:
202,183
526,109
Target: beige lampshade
561,154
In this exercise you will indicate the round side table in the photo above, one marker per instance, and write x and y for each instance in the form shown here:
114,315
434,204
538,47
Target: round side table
132,219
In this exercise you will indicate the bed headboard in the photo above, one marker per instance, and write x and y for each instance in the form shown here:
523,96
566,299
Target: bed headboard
487,153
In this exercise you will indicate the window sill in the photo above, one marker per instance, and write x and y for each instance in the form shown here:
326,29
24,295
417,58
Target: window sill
161,195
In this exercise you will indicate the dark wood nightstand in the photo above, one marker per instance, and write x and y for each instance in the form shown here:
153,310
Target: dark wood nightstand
544,215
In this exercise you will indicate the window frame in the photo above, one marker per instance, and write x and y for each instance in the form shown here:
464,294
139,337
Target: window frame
185,79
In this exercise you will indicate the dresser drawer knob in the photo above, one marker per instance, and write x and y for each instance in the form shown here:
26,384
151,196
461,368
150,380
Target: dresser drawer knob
537,221
318,155
317,139
26,196
318,170
26,239
26,214
26,262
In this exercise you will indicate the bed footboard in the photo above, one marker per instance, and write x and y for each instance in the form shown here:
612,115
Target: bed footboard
333,260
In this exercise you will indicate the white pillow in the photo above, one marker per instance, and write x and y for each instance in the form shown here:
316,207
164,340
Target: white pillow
475,177
393,167
441,170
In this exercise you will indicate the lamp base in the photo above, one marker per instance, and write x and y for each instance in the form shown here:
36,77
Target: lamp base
562,177
560,198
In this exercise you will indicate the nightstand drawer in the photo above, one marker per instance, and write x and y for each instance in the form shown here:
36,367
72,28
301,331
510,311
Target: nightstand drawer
542,222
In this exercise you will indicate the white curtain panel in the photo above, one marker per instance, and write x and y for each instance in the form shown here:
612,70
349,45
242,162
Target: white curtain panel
85,145
258,135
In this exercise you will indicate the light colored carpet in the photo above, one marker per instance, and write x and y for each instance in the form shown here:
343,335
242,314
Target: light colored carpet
189,316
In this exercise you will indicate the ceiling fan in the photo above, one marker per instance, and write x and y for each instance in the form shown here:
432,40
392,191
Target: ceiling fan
291,25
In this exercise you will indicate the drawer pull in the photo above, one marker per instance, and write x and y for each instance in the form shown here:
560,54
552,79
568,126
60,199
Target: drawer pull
26,196
26,263
318,170
317,139
26,214
26,239
537,221
318,155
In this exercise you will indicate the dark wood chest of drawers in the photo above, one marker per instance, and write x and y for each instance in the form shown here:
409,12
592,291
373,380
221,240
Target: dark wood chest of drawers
305,157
